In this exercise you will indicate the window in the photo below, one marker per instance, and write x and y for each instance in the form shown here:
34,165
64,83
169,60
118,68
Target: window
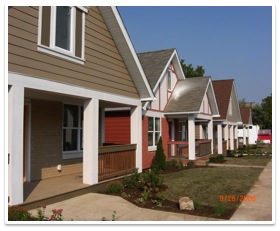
183,131
61,32
153,130
72,131
169,77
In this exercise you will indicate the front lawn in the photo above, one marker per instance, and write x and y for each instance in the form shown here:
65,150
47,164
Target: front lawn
254,160
207,186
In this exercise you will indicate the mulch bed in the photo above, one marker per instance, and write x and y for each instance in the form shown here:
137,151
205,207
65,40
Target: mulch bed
166,205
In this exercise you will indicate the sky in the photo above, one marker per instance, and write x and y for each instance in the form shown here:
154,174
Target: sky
230,42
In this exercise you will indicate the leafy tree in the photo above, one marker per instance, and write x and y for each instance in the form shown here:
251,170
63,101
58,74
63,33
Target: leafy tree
242,102
189,70
262,113
159,162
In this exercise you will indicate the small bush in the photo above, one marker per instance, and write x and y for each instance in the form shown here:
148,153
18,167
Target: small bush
197,205
180,164
191,164
114,187
229,153
171,164
17,213
220,209
133,180
217,158
151,179
159,162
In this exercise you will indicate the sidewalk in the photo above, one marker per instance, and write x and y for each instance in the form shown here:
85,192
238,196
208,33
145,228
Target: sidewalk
94,207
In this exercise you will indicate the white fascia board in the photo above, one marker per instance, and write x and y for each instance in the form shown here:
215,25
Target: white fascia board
238,108
181,113
133,53
214,101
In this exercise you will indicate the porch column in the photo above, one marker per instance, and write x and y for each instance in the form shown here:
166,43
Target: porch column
210,133
15,144
231,137
191,135
136,133
172,137
220,139
244,134
91,138
226,135
236,135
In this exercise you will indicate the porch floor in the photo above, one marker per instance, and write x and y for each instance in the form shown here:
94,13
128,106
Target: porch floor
41,189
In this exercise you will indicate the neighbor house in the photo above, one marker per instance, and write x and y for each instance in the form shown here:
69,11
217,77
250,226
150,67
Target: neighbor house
66,65
247,133
182,113
226,126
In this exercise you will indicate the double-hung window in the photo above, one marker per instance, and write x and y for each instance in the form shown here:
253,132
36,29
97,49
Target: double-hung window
183,130
62,32
153,131
72,131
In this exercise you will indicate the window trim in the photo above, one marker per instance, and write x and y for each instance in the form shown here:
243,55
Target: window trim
79,152
154,146
57,51
169,74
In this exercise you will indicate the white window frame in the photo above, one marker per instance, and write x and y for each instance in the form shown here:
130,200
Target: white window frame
79,152
57,51
154,146
184,131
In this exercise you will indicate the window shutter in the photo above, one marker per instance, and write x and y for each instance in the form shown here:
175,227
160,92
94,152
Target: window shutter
79,31
45,28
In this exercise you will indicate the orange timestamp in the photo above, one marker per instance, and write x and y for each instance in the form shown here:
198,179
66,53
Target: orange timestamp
237,198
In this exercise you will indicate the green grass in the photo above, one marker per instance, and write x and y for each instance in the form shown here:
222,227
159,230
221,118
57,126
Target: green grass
206,185
255,160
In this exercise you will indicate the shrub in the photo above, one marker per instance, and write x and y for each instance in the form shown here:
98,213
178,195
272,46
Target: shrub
17,213
114,187
191,164
219,209
159,162
171,164
152,179
229,153
180,164
133,180
217,158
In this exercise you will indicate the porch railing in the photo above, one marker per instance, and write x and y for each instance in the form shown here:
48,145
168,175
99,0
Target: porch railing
203,147
116,160
180,149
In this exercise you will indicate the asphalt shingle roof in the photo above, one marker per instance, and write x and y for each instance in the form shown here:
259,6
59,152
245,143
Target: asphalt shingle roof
153,63
245,114
188,95
222,89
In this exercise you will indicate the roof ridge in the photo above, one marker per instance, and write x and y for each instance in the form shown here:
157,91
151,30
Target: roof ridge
154,51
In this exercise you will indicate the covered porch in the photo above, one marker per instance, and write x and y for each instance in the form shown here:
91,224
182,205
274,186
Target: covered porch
191,136
57,130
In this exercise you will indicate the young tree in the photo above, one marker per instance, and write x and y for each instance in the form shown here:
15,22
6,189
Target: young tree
189,71
159,162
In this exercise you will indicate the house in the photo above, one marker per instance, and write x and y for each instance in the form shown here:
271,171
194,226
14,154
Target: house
247,132
66,65
226,126
265,136
182,114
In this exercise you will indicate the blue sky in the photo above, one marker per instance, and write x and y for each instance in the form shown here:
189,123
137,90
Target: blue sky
229,41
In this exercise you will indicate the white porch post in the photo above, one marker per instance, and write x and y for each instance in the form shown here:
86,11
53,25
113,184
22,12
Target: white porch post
15,144
210,133
244,134
220,139
172,137
90,153
136,133
231,137
236,135
191,135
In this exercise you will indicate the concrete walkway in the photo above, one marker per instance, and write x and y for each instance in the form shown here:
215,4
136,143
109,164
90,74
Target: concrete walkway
94,207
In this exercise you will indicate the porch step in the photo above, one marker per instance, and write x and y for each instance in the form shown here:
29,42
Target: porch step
201,162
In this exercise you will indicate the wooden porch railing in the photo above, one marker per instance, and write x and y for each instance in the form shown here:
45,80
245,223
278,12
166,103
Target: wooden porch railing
178,149
116,160
203,147
224,146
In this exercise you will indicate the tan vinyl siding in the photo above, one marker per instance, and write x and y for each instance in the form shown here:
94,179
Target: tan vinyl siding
46,25
103,70
46,137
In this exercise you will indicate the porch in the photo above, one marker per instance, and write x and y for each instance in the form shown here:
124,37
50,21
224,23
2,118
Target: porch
180,149
114,161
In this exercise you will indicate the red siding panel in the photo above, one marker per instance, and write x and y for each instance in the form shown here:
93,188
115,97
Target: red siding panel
117,127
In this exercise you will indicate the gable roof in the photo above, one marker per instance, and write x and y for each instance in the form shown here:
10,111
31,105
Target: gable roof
246,114
222,89
122,40
188,95
155,64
